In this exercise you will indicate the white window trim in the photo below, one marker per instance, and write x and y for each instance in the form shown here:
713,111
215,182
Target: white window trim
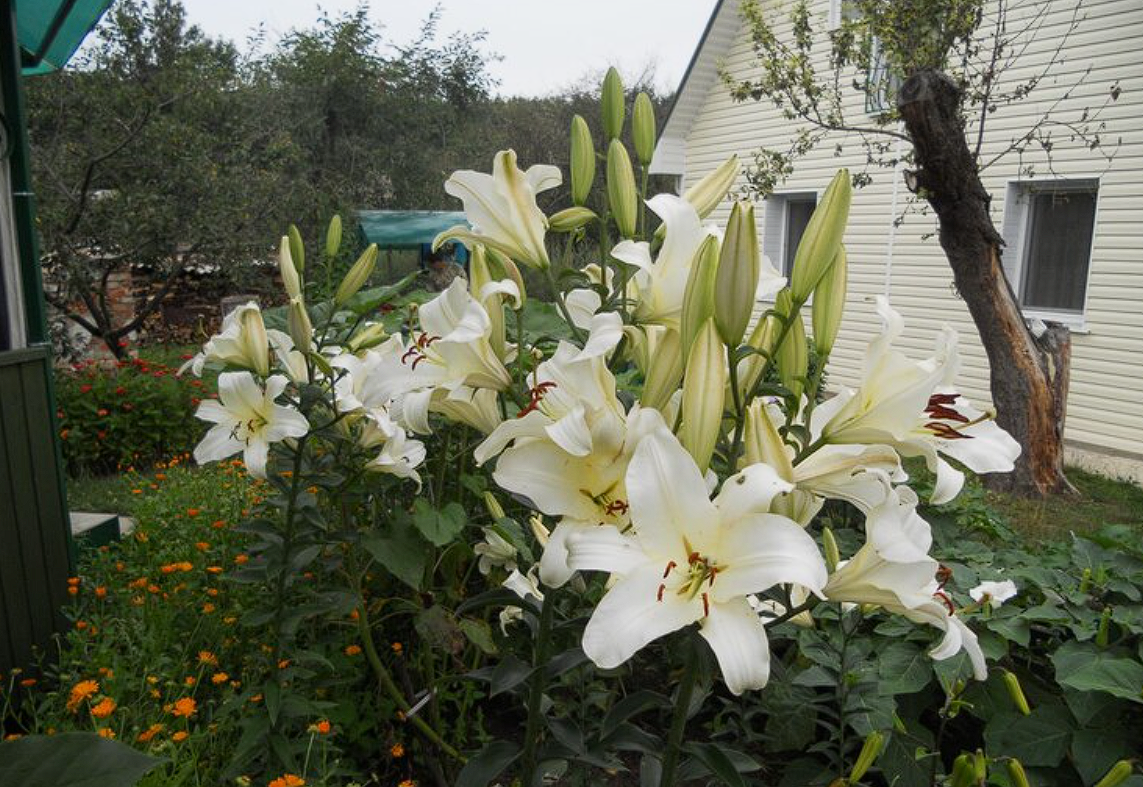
12,291
782,196
1014,267
833,17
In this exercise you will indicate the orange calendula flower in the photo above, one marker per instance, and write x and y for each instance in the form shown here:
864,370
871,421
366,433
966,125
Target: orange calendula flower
352,650
283,663
288,780
185,707
202,546
398,648
207,608
206,657
180,736
323,727
28,683
101,592
241,559
192,512
104,708
219,677
106,732
149,733
218,524
397,751
407,783
190,680
214,569
80,692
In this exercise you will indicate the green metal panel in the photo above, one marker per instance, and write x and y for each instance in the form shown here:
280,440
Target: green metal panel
406,229
51,30
35,553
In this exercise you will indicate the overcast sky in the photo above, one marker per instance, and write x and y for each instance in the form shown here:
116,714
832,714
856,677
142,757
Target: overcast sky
546,44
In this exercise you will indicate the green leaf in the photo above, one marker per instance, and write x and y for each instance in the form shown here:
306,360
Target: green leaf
1041,739
489,763
1087,667
904,668
439,526
631,705
439,630
72,759
402,553
1095,751
719,763
479,633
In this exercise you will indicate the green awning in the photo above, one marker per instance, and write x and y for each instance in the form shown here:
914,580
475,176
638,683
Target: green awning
406,229
51,30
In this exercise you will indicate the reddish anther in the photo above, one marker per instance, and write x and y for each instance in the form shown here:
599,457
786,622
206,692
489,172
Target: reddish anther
659,595
670,568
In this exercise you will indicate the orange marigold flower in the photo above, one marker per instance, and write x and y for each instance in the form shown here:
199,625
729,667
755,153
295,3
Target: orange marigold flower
106,732
73,580
190,680
104,708
218,524
192,512
180,736
397,750
255,699
150,732
107,672
212,592
201,546
323,727
80,692
28,683
288,780
352,650
283,663
81,624
407,783
185,707
214,569
207,608
219,677
206,657
398,648
13,736
161,476
73,591
101,592
242,559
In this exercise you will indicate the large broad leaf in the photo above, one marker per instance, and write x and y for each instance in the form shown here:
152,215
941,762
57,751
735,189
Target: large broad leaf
401,551
1094,752
1088,667
1041,739
904,668
73,759
440,526
629,706
489,763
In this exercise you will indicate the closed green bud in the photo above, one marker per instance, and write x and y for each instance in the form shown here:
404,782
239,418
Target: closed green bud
822,237
298,325
1103,634
761,338
738,271
621,191
698,298
611,102
832,555
495,510
1085,581
1016,693
297,248
501,267
643,128
1119,773
664,371
962,772
582,160
704,384
571,219
358,275
762,443
1016,773
333,237
829,304
367,336
480,276
793,354
705,195
979,767
869,751
290,278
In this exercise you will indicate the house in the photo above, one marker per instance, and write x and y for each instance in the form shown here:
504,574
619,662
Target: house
1073,230
35,542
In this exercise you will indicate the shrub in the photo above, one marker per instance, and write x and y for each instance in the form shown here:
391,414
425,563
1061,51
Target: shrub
134,412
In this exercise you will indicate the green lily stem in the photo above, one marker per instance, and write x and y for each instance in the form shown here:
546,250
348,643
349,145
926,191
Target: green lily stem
561,304
793,612
739,412
679,720
390,687
536,693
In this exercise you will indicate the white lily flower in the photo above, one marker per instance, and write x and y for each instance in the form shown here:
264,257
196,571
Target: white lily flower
399,455
523,585
502,210
995,593
290,360
241,342
907,405
692,559
246,418
493,551
475,407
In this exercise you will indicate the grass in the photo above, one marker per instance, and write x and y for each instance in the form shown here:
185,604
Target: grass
1101,501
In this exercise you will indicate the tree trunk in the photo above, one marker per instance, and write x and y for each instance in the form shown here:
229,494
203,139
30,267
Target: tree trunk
1029,373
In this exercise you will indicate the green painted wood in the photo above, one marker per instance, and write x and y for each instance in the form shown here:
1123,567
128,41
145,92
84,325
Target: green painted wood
35,558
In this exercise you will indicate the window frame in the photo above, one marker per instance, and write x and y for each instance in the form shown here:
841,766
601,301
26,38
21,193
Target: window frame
15,336
775,248
1018,221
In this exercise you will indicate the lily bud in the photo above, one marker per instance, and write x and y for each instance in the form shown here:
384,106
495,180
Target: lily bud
761,338
706,195
370,335
762,442
495,510
829,304
832,555
1085,581
643,128
501,267
582,160
621,188
298,325
822,237
704,385
1103,634
1016,693
664,371
962,772
1016,773
571,219
869,751
611,102
793,354
738,270
297,248
256,345
333,237
539,529
979,767
698,298
1118,774
290,279
358,275
479,276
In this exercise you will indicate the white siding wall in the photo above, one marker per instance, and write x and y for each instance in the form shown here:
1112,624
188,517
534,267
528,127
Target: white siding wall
1105,407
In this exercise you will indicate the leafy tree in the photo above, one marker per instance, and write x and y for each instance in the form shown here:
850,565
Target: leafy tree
938,67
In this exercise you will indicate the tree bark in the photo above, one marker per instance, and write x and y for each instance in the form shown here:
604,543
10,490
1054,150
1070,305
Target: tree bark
1029,374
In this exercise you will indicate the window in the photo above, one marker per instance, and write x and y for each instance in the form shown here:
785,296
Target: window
1048,231
883,81
786,218
11,304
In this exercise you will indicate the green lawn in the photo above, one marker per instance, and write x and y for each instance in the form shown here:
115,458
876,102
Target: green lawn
1101,501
